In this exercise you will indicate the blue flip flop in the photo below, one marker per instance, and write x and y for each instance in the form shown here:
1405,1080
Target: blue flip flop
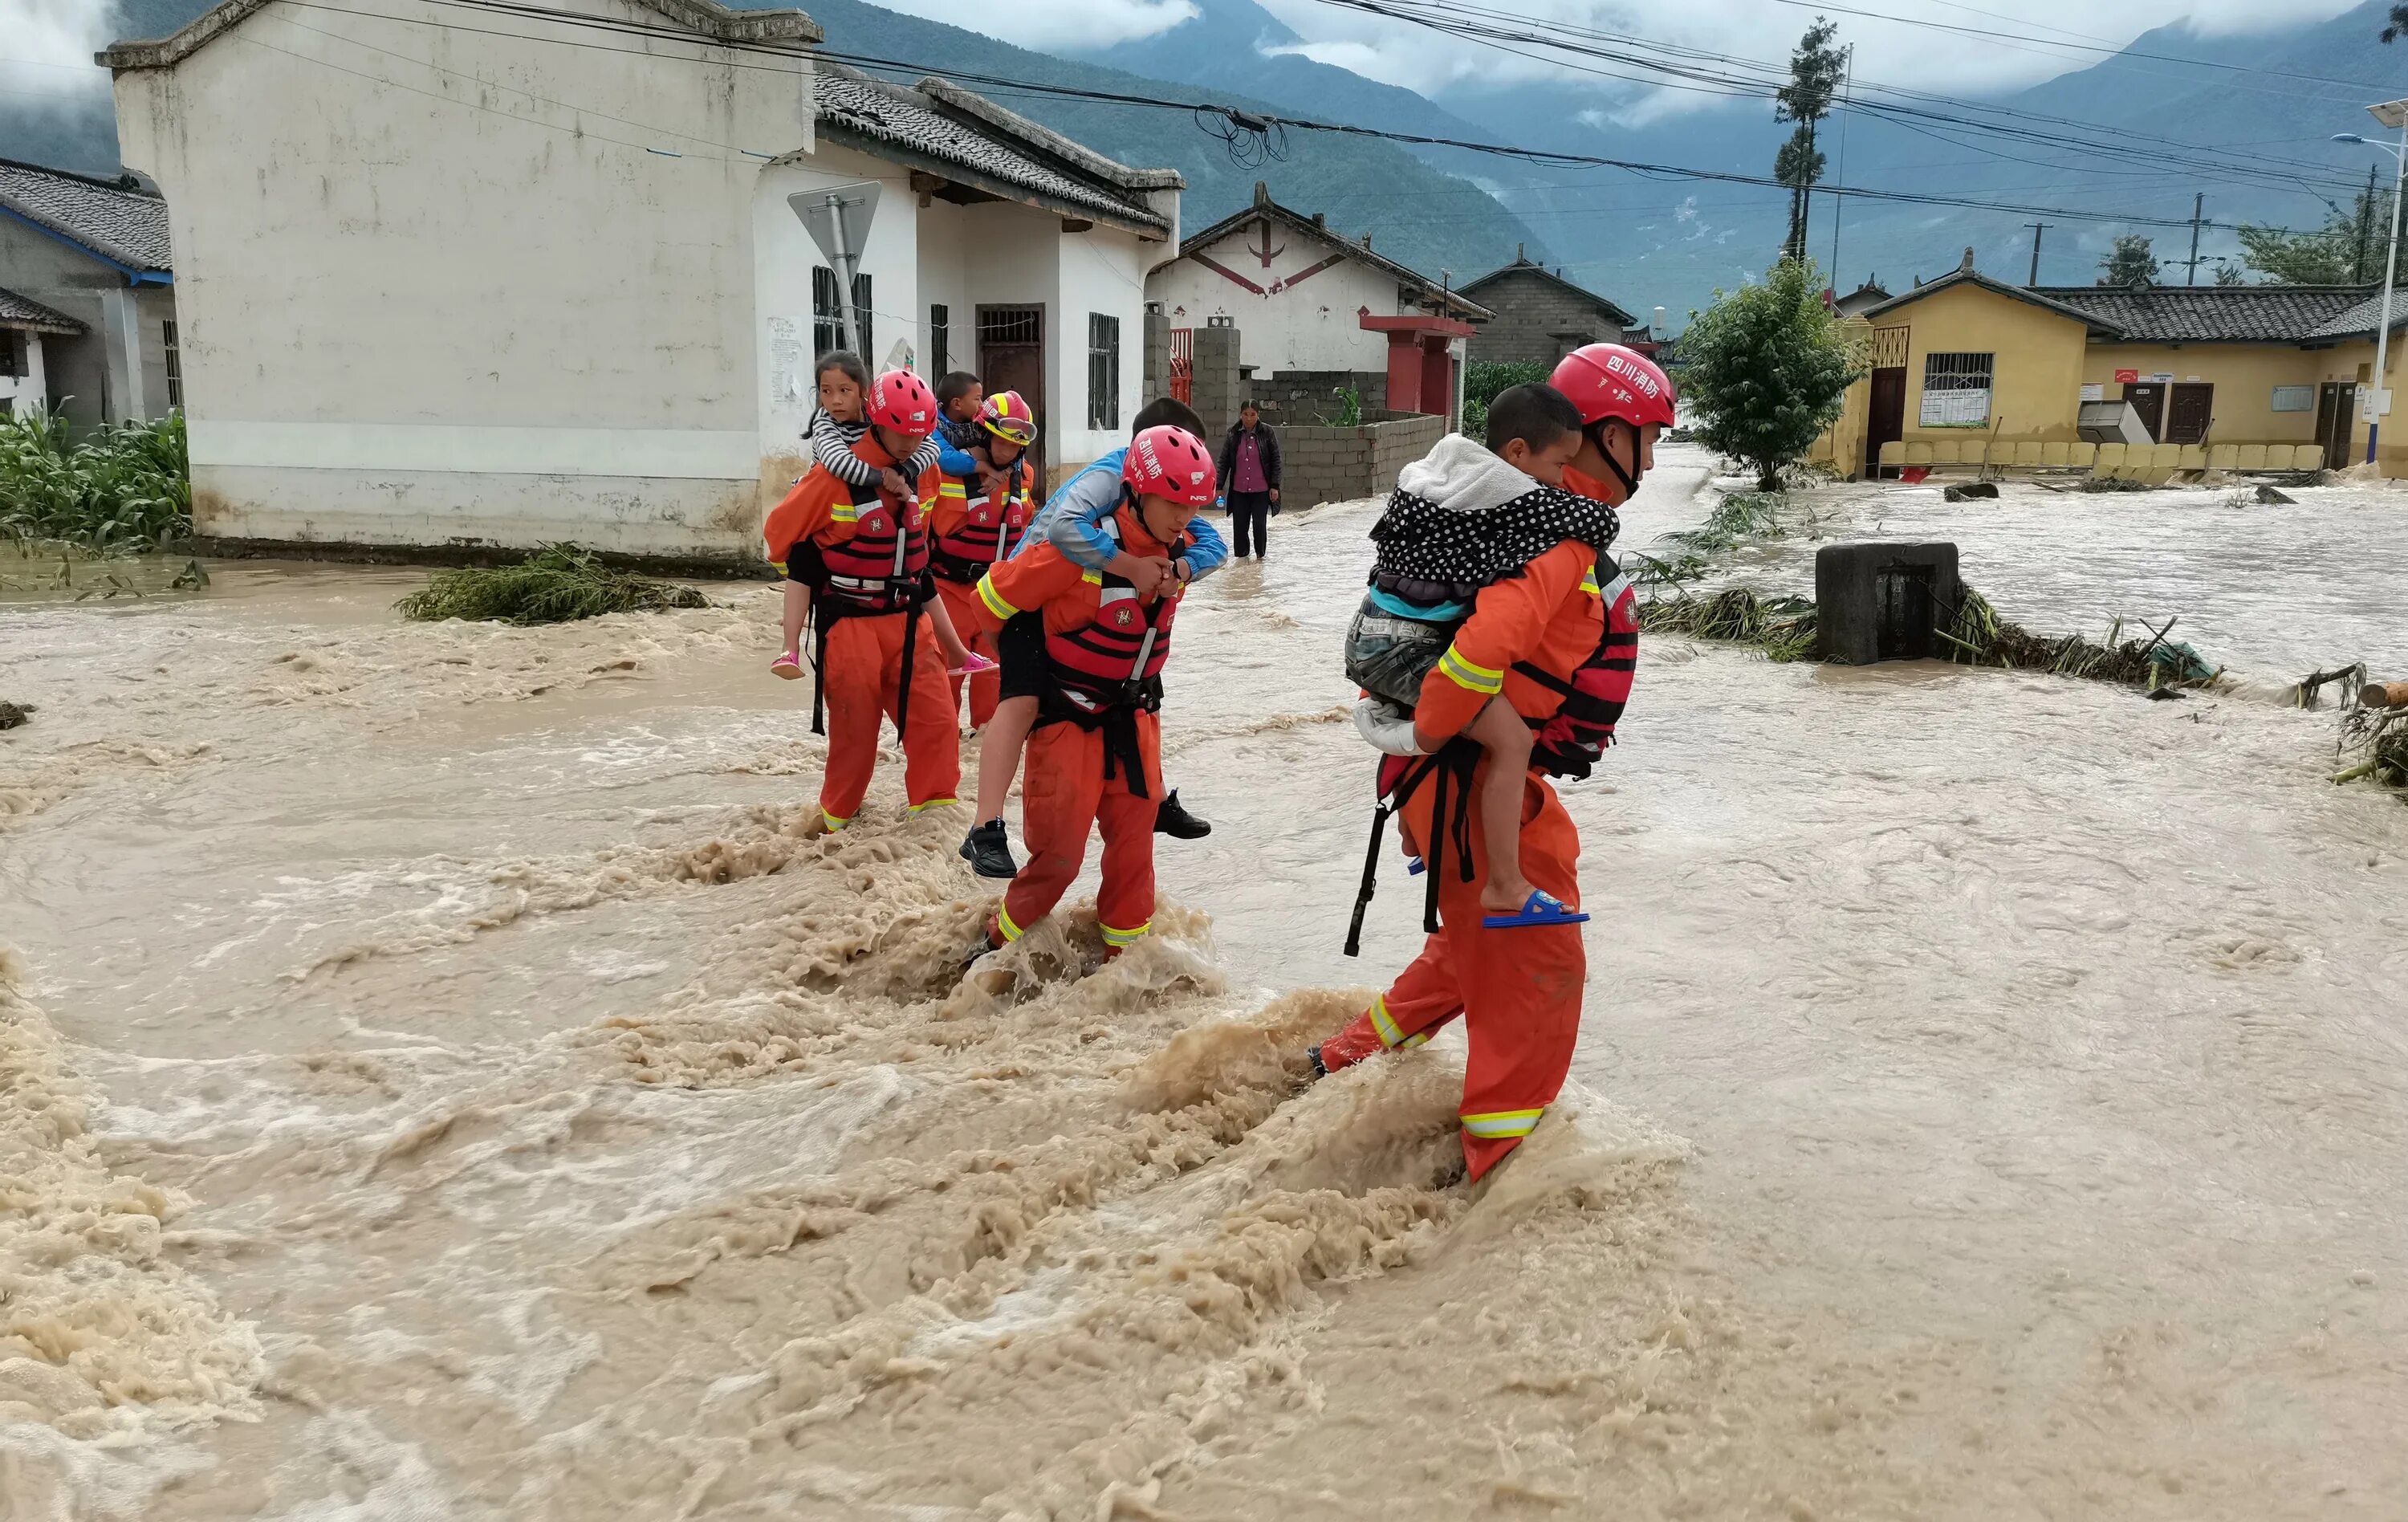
1540,908
1415,866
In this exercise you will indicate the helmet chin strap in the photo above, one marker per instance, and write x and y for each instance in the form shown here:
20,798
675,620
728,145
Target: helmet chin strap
1596,436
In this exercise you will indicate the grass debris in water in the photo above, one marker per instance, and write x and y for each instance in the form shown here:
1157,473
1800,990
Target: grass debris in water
1783,628
557,584
1977,636
2375,741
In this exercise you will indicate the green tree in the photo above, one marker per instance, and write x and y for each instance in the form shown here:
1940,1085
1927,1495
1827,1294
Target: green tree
2130,263
2398,27
2346,251
1814,72
1767,368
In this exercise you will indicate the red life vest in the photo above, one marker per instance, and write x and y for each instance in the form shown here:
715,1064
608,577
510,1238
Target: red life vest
879,569
1570,743
987,529
1112,661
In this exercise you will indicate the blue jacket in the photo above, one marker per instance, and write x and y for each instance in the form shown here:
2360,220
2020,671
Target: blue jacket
953,441
1073,522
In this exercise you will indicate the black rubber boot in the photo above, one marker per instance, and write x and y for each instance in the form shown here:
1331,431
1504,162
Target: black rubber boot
989,852
1318,1071
1173,820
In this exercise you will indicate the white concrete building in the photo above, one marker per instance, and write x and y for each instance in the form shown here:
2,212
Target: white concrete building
25,373
94,252
1296,291
539,279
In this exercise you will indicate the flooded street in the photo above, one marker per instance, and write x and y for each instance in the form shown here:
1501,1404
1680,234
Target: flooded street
442,1081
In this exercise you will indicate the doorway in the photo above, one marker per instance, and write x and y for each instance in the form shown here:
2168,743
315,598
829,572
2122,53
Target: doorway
1012,357
2189,412
2336,406
1885,420
2149,400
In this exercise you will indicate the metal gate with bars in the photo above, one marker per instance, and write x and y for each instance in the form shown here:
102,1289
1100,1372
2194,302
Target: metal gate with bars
1182,365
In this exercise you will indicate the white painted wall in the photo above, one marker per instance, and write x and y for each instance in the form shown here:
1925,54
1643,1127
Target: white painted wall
435,285
1103,270
1312,326
28,392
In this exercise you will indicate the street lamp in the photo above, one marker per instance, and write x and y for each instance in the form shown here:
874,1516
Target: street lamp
2391,113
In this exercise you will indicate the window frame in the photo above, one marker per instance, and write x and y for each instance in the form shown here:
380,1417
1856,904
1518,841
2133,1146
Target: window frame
175,364
940,338
1103,372
1957,374
827,316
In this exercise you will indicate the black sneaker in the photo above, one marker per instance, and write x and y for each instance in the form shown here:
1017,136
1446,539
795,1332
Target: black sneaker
1173,820
989,852
1318,1071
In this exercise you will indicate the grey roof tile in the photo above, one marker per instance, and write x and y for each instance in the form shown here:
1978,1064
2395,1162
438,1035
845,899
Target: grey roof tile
2212,313
2362,317
890,113
124,226
24,311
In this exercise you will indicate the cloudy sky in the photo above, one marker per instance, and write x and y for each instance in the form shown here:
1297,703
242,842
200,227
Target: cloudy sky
1426,61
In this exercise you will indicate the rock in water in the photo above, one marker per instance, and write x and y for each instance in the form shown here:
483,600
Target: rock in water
13,714
1971,491
2268,493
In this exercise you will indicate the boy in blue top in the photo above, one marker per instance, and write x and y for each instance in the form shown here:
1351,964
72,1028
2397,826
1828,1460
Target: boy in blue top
1073,522
959,396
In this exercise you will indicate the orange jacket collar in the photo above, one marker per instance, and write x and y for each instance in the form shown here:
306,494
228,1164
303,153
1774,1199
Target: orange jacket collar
1581,483
1135,539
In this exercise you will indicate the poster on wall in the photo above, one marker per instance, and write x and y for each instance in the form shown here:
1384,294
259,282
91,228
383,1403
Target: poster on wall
1955,409
2127,377
2094,393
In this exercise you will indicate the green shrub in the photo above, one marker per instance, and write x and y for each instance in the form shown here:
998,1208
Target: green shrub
1483,380
557,583
118,487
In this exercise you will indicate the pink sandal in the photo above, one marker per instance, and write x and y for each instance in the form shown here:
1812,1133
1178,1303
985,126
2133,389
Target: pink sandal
787,666
972,666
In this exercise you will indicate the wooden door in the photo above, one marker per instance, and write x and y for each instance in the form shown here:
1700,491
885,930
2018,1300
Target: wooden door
1012,357
1885,420
2336,406
2187,412
2149,400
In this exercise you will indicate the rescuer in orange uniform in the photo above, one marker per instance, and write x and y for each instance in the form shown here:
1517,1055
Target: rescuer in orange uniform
878,653
974,526
1094,760
1533,638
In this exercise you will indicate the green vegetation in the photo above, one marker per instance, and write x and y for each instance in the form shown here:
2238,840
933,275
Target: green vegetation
556,584
1783,628
1741,515
2129,262
1482,382
2378,739
116,488
1766,367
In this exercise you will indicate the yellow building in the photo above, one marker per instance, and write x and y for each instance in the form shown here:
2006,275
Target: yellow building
1966,367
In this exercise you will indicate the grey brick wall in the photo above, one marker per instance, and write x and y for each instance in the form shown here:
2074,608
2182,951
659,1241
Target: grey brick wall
1338,465
1530,310
1217,389
1307,396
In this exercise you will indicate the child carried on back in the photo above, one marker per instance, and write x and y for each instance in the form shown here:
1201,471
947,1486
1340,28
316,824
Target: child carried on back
1461,519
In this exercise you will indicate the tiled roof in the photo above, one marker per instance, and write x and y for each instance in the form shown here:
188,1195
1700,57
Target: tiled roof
2212,313
1965,275
873,113
1453,302
123,227
24,311
2360,317
1523,267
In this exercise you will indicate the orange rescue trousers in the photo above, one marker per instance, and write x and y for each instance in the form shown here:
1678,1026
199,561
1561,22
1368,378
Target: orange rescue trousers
862,682
986,687
1063,793
1518,990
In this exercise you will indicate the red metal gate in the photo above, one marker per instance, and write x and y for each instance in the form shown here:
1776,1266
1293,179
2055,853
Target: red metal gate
1182,365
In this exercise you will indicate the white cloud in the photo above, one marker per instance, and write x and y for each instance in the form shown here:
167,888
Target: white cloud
1892,52
1047,26
49,46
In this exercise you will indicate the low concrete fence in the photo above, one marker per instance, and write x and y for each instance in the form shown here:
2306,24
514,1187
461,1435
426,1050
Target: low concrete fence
1337,464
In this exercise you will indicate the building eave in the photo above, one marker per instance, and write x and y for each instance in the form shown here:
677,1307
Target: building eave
133,273
1966,277
836,132
1612,310
1045,139
1428,290
705,18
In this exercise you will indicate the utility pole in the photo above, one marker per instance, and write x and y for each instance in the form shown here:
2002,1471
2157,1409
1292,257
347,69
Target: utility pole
2038,229
2190,276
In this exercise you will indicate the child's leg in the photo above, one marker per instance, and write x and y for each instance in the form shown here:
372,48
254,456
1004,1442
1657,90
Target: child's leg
798,608
956,652
1506,739
999,745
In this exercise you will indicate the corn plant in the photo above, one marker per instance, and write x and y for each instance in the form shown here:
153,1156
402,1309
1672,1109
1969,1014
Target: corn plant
118,487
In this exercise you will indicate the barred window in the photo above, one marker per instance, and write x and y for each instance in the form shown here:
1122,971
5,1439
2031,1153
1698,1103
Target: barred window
1957,390
1103,372
827,319
12,353
175,367
1010,325
940,338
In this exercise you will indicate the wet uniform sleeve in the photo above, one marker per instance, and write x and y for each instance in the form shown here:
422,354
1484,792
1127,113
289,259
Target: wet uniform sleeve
1508,622
1208,552
1023,583
1075,520
833,448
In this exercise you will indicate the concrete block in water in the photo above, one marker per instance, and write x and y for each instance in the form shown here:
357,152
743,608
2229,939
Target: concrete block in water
1884,601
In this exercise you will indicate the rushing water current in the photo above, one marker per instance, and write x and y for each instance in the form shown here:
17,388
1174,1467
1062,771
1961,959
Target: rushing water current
439,1080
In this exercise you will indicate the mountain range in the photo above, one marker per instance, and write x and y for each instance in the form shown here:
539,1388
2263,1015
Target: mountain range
2133,135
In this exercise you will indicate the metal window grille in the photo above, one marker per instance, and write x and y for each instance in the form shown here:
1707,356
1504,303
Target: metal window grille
827,319
1010,325
1889,346
175,366
940,338
1103,372
1955,390
12,353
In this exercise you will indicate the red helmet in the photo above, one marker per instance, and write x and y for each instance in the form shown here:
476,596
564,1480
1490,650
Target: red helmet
902,401
1609,380
1169,462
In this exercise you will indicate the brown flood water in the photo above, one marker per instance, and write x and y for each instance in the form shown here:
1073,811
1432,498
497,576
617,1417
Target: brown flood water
437,1081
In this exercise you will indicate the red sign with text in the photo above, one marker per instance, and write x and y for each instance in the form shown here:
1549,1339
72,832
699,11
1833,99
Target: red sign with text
2127,377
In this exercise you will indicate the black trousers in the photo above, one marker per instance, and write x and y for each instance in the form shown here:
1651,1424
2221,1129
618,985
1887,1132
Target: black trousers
1250,514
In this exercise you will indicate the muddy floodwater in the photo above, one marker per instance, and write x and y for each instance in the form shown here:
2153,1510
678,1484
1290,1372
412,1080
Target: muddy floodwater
439,1080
